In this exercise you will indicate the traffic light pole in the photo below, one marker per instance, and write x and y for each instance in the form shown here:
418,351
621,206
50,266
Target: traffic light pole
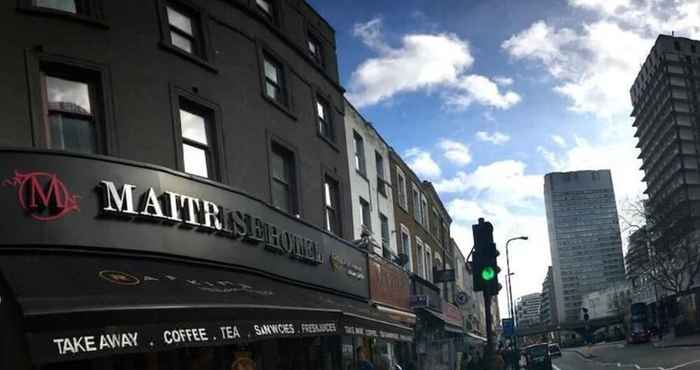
488,353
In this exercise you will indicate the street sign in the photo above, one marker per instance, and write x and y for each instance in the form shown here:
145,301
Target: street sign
461,298
444,276
508,327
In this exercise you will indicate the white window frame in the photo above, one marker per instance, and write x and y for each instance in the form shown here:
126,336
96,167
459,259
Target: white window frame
416,197
421,257
428,259
424,212
404,230
401,186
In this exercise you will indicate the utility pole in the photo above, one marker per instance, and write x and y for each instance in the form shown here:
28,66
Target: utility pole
489,353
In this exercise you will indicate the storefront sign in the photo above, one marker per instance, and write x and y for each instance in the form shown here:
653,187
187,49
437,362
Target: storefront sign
389,284
419,301
51,347
54,199
453,315
444,276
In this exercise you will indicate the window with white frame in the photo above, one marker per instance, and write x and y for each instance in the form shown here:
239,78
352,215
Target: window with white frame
416,204
424,212
428,263
404,244
420,261
401,189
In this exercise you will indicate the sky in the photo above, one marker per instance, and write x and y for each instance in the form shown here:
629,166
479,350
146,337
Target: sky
484,97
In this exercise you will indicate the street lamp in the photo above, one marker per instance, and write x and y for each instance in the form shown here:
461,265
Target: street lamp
510,300
508,275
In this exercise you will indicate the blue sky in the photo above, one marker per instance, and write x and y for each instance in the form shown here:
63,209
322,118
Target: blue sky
484,97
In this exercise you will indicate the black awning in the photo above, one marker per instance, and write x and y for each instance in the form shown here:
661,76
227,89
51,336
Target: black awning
77,306
376,326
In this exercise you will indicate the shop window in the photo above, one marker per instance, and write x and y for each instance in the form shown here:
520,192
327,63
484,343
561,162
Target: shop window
331,200
365,220
323,119
283,182
196,136
359,146
71,111
315,48
275,87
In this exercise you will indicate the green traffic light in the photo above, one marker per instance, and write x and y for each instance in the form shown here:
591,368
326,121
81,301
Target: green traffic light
488,273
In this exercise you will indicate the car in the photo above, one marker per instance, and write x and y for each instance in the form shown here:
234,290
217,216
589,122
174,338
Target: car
554,350
537,357
638,336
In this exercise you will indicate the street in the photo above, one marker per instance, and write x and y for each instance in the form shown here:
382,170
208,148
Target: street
619,355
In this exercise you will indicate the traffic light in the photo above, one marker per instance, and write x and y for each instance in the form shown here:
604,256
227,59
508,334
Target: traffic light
485,259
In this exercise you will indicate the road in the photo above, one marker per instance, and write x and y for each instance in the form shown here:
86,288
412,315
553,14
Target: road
634,357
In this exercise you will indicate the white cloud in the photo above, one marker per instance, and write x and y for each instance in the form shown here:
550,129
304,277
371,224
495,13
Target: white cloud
480,89
422,62
503,182
586,61
496,137
503,81
422,163
560,141
456,152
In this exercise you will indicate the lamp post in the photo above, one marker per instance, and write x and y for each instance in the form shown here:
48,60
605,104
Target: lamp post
516,360
508,274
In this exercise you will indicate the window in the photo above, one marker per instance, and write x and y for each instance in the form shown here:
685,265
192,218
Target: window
416,204
424,211
69,6
420,261
331,196
69,106
365,219
359,145
315,50
323,118
381,183
197,154
182,29
428,264
405,246
274,80
282,172
384,222
267,8
435,225
401,190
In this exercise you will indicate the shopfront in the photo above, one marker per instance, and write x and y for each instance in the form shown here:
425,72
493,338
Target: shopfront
111,264
390,297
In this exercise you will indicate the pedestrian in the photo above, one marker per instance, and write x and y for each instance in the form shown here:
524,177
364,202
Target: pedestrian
363,362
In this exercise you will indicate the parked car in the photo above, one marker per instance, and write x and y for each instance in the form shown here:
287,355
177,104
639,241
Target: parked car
638,336
554,350
537,357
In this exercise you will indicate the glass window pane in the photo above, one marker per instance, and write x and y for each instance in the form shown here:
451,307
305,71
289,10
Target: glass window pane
195,160
264,5
62,5
279,168
193,127
179,21
72,134
180,42
327,190
68,95
271,90
321,110
271,71
312,47
280,195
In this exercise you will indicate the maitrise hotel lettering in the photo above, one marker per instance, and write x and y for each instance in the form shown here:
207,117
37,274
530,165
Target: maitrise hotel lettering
191,212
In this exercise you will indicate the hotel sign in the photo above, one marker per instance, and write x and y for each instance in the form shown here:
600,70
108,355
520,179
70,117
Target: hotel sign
58,200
